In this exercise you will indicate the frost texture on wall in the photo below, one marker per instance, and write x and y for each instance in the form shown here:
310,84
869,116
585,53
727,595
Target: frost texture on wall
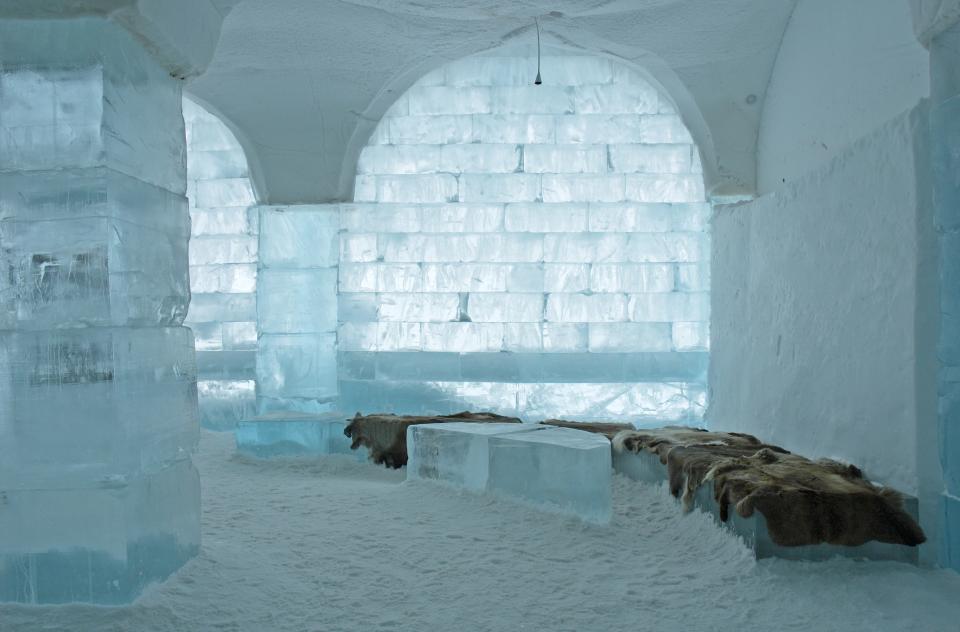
98,397
223,268
540,250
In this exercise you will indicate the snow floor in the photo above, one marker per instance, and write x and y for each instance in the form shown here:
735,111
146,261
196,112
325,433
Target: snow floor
334,545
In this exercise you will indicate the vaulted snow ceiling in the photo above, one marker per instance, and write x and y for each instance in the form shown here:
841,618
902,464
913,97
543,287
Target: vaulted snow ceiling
304,82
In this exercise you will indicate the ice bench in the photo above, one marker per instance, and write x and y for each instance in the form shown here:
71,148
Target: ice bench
558,468
295,434
646,467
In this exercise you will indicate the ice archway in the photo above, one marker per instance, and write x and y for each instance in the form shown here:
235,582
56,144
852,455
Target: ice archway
542,250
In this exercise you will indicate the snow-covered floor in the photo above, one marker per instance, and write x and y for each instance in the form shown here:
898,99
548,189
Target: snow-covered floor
336,545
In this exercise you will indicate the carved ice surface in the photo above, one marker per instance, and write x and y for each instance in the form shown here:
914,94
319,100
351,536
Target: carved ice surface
541,250
94,402
295,434
118,257
559,468
98,395
99,543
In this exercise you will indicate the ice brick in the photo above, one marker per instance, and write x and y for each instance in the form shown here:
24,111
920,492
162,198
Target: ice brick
628,277
430,100
397,159
470,277
101,544
506,308
94,402
508,187
299,237
531,99
284,433
454,453
119,256
512,128
627,337
559,468
581,308
565,158
224,402
566,277
84,93
297,366
462,337
479,158
297,301
651,159
546,218
583,188
462,218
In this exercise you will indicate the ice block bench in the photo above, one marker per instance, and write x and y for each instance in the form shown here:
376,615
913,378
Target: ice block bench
781,504
295,434
561,469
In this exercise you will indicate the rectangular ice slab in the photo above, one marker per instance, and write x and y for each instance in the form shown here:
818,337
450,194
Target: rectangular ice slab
117,257
558,468
455,453
646,468
84,93
295,434
83,406
100,544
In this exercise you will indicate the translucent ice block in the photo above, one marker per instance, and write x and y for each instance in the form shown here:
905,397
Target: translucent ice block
101,544
454,453
546,218
297,366
224,402
86,405
297,301
284,433
506,187
84,93
462,218
118,256
560,468
299,237
479,158
565,158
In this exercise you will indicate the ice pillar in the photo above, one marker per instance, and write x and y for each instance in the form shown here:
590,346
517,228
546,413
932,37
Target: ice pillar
945,131
98,399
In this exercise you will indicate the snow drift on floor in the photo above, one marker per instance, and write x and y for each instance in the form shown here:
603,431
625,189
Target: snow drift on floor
336,545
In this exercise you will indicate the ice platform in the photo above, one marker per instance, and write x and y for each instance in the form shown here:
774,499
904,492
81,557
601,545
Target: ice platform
99,544
646,467
280,434
559,469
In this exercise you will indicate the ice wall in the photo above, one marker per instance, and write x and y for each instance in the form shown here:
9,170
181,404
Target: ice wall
223,268
98,400
822,307
540,250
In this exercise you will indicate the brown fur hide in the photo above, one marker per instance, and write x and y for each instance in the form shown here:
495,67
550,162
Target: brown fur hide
804,502
385,435
609,430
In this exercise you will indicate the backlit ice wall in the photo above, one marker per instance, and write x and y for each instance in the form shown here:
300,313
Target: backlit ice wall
541,250
223,268
98,399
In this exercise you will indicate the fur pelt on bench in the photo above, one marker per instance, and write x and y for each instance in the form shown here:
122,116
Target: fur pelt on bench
804,502
385,435
609,430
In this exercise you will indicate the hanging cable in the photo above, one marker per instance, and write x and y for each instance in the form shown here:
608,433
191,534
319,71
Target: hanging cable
538,80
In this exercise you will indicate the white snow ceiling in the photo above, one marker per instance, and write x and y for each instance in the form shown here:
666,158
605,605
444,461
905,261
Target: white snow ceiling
303,82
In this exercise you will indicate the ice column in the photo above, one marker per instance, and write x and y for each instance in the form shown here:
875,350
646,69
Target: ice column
223,269
297,308
945,132
98,400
